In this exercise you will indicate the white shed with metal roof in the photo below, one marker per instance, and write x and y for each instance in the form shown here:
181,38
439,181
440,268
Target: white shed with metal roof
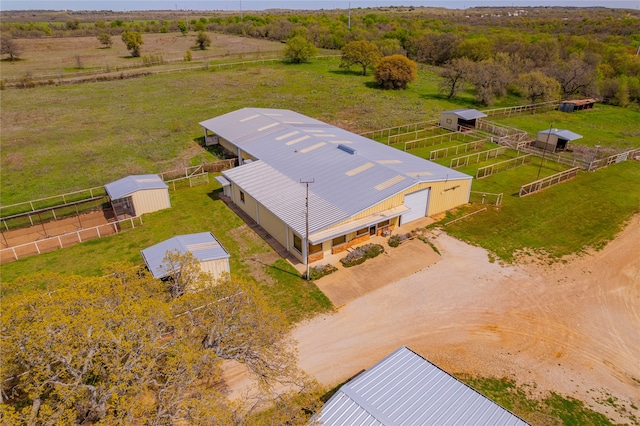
460,118
360,187
406,389
136,195
553,140
204,246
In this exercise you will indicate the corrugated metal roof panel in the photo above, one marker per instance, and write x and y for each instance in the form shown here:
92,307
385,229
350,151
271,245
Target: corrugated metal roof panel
203,246
466,113
285,197
130,184
564,134
406,389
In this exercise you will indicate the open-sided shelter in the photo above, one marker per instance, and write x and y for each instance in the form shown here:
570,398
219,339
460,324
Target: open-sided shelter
204,247
553,140
406,389
460,119
576,104
136,195
358,187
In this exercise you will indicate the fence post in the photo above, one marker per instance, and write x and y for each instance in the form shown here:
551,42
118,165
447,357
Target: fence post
59,241
37,248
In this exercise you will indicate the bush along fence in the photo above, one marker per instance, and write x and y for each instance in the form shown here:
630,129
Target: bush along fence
542,184
317,272
360,254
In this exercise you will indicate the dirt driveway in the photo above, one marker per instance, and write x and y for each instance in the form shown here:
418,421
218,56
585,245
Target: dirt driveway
572,328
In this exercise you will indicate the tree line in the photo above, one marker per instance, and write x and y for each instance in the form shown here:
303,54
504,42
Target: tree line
537,53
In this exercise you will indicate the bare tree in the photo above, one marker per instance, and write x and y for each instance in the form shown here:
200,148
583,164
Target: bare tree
490,80
9,47
576,76
454,76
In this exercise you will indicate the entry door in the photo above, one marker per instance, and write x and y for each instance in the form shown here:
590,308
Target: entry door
418,203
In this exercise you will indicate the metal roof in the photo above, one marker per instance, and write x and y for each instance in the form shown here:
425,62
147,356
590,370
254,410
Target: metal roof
466,113
130,184
284,197
563,134
203,246
351,173
406,389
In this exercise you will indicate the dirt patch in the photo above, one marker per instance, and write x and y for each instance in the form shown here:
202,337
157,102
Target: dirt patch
572,328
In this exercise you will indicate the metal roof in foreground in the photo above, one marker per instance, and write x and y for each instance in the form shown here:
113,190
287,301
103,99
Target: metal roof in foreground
406,389
204,247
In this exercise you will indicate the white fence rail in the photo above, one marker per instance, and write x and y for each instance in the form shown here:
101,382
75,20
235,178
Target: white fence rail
542,184
455,150
502,166
64,240
476,158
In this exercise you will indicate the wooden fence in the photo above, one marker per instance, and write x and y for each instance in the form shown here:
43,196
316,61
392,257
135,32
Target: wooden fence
542,184
502,166
455,150
65,240
416,134
520,109
437,140
383,135
486,197
465,216
476,158
612,159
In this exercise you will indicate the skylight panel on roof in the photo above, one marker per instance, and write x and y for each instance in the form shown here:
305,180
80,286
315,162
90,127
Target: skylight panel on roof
268,126
360,169
203,246
142,180
251,117
272,114
389,161
293,122
300,139
418,174
313,130
325,135
389,182
288,135
312,147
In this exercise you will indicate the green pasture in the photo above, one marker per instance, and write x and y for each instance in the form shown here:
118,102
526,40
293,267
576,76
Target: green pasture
193,210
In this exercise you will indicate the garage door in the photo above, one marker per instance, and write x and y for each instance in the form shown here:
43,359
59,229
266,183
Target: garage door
417,202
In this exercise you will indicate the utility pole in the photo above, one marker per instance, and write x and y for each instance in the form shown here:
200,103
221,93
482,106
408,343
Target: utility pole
306,238
349,25
544,151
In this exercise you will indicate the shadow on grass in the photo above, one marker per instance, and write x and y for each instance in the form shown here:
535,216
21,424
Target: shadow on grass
215,194
273,267
346,72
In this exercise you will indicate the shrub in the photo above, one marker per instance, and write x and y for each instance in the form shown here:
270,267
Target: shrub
394,240
317,272
360,254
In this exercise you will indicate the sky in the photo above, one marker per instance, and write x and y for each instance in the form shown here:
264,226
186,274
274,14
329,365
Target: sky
225,5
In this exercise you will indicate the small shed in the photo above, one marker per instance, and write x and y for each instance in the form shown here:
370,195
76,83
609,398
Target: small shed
212,257
457,118
576,105
404,389
553,140
136,195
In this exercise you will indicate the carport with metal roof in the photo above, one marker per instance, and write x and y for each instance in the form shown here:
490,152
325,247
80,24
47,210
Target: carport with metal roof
460,119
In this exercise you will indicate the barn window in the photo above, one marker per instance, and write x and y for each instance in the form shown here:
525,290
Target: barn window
242,196
339,240
361,232
315,248
297,243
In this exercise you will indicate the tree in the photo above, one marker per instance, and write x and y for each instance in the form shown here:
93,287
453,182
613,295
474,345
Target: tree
299,49
182,26
395,72
119,349
133,41
476,49
9,47
105,40
183,272
490,80
363,53
454,76
576,76
202,40
537,87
